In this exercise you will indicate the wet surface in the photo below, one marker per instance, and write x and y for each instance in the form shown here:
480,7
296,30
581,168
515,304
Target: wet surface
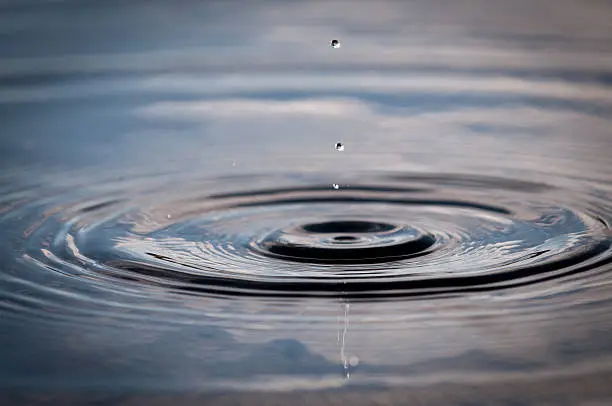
211,202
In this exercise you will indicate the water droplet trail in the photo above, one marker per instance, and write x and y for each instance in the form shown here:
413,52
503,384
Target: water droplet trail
343,358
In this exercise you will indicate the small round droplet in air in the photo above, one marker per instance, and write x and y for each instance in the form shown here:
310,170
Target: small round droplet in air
169,216
353,361
336,186
339,146
334,43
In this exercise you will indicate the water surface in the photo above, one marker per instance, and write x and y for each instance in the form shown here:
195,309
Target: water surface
177,223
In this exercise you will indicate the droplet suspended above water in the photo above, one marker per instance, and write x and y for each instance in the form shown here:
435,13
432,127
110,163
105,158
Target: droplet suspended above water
336,186
339,146
334,43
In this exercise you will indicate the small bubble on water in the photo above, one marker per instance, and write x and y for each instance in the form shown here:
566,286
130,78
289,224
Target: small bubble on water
336,186
334,43
339,146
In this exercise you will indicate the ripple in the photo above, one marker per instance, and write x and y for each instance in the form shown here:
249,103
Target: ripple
350,242
382,236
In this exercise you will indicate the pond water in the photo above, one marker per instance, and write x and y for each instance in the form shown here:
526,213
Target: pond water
215,203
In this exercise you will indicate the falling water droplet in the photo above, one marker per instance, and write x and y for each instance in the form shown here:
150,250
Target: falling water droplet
234,163
335,43
339,146
336,186
169,216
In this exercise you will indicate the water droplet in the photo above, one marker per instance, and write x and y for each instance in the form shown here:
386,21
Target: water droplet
353,361
234,163
336,186
169,216
334,43
339,146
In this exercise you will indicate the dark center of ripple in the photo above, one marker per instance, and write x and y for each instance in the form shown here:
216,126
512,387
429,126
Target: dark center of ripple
346,238
346,242
348,227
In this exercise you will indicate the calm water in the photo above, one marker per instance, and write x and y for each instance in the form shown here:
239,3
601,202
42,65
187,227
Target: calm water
178,224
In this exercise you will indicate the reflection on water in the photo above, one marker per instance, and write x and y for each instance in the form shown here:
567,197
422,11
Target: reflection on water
175,225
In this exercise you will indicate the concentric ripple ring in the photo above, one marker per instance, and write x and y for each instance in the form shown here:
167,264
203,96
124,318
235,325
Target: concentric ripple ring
389,235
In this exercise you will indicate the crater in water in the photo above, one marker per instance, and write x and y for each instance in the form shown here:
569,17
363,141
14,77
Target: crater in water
368,242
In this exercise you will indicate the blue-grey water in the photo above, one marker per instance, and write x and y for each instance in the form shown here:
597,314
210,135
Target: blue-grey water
178,224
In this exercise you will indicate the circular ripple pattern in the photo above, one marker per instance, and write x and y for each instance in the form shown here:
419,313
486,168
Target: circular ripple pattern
391,235
337,242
